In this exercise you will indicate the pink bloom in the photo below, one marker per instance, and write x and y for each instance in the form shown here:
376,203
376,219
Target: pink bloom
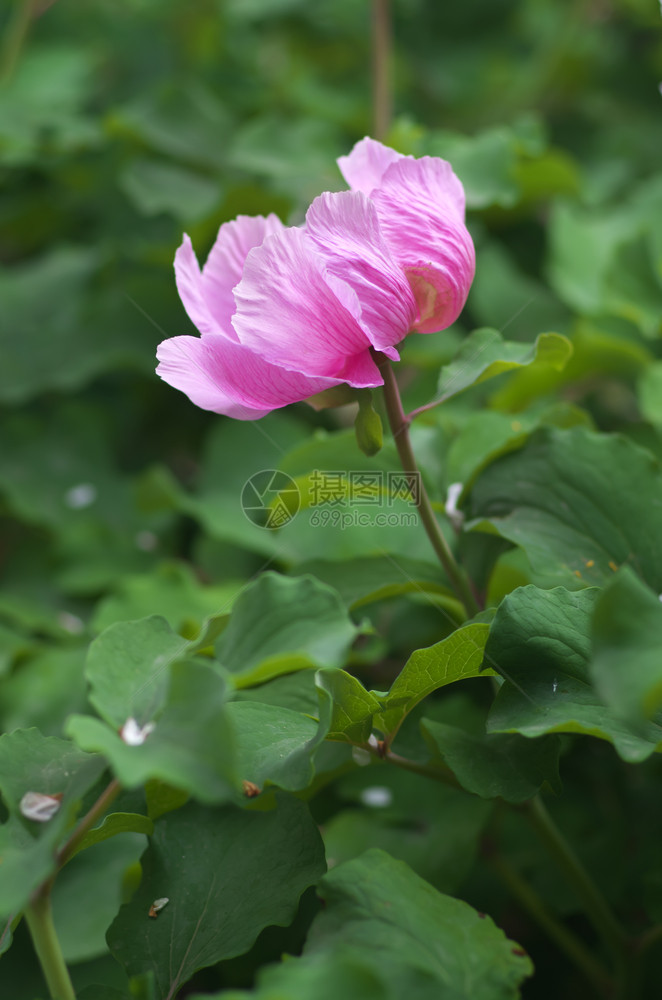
284,313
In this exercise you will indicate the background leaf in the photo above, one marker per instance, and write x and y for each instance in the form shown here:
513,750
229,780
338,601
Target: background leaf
279,625
210,919
627,636
540,642
378,910
580,504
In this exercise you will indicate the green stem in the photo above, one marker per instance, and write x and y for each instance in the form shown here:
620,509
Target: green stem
39,917
68,849
14,37
595,905
441,774
381,59
575,950
400,430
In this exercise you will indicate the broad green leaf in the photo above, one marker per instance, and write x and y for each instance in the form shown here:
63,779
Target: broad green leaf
38,296
453,659
45,689
485,163
234,452
87,895
420,942
294,691
368,425
30,762
540,642
604,347
96,992
364,581
274,745
42,104
582,248
580,504
324,976
114,824
650,392
172,591
626,666
227,874
128,669
352,707
601,262
282,624
506,298
485,354
182,121
156,186
128,666
191,746
436,833
495,765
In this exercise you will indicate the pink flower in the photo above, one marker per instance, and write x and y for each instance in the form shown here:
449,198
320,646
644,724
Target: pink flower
284,313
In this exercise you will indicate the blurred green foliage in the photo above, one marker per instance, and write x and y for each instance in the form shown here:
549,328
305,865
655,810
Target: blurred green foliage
124,123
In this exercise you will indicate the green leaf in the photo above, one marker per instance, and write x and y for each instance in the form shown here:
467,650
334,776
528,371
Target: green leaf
453,659
191,746
580,504
368,425
418,941
540,642
274,745
582,247
282,624
114,824
170,590
128,669
43,294
363,581
485,354
495,765
324,976
650,392
30,762
128,666
87,895
626,665
156,186
352,708
485,163
227,873
436,833
503,296
186,122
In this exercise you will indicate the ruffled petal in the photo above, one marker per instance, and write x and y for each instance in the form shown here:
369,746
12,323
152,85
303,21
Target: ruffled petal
288,313
225,263
220,375
367,163
360,269
420,205
189,286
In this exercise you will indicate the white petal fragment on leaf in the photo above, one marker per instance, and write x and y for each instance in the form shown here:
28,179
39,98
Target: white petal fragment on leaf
40,807
135,735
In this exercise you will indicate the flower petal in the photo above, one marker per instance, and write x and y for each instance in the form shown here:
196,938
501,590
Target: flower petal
420,205
288,313
225,263
360,268
189,286
367,163
220,375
